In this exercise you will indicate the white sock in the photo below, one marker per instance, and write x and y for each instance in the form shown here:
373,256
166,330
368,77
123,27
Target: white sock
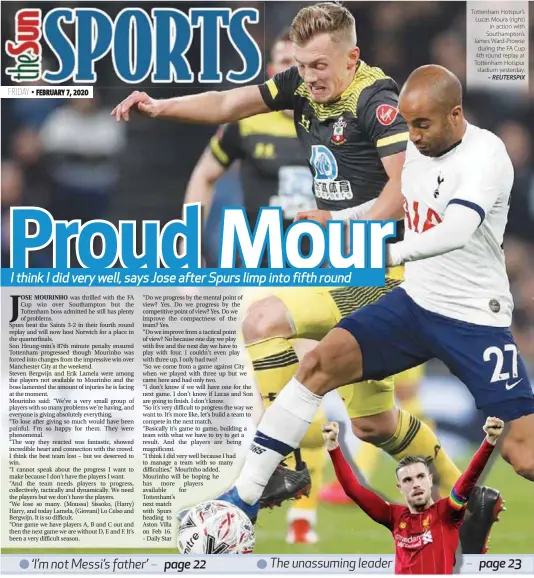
280,431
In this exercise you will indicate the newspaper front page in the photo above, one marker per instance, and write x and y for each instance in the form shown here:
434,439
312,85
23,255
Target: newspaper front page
175,258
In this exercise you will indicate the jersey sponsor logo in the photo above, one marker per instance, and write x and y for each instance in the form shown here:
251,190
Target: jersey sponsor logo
295,191
417,219
414,542
427,537
333,190
324,163
325,168
386,114
339,126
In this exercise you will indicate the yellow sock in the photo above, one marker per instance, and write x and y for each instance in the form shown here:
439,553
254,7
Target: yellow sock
415,438
274,362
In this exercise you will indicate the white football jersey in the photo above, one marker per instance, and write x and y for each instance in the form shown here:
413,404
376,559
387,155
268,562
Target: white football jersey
468,284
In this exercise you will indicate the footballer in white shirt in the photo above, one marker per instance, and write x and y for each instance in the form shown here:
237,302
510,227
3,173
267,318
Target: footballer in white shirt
458,270
455,303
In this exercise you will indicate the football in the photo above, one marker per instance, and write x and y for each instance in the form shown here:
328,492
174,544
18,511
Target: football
215,527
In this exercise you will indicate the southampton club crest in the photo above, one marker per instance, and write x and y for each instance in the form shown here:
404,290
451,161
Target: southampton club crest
338,136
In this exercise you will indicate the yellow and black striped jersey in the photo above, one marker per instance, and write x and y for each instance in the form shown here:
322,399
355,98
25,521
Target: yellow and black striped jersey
344,141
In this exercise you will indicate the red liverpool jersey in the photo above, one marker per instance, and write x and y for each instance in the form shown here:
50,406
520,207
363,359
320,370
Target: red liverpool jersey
425,542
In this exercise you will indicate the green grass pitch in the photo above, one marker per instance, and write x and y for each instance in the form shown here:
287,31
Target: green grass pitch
347,530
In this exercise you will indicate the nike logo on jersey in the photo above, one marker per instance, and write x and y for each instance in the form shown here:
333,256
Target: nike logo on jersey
509,386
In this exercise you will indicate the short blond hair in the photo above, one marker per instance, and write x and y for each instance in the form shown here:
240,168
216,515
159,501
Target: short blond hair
327,17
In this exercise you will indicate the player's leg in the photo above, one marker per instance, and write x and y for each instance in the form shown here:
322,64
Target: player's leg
374,332
312,312
269,324
407,383
375,399
304,312
412,435
376,420
518,445
266,330
268,327
407,388
486,359
302,515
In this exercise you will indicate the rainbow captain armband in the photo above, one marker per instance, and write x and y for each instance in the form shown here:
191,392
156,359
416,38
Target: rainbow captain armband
456,501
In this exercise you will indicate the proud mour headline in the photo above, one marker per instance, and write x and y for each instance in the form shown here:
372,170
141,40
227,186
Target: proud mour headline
115,260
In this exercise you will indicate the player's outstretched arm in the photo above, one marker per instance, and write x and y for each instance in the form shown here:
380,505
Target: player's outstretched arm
485,180
462,489
454,232
378,114
205,108
201,185
390,203
322,217
373,505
